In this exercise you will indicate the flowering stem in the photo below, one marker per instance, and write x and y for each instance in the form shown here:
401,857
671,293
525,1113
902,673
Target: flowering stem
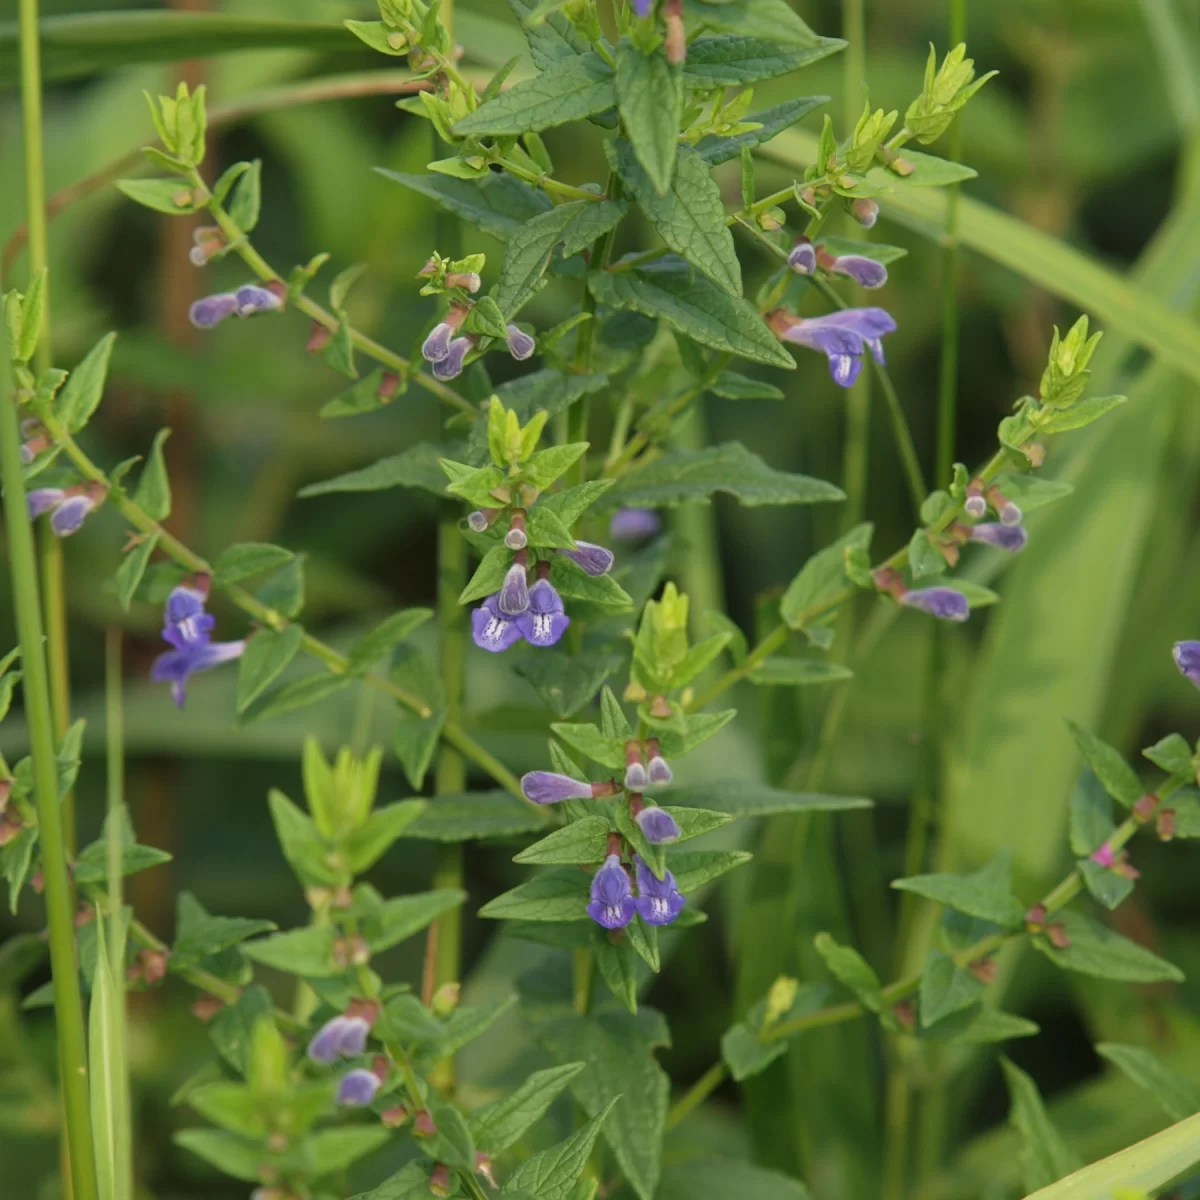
240,244
68,1006
545,182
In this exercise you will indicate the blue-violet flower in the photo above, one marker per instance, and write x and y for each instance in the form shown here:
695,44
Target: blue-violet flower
942,602
658,825
341,1037
520,345
1187,659
357,1088
491,629
634,524
548,787
612,902
1007,537
659,901
841,336
450,366
593,559
543,622
514,592
188,629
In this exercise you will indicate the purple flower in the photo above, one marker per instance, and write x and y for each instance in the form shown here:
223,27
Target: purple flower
520,344
657,770
658,900
635,777
866,272
942,602
516,538
634,524
658,825
341,1037
546,787
477,520
513,596
1187,659
864,211
612,902
643,7
1010,513
803,258
188,628
212,310
450,366
357,1088
252,299
842,337
975,505
595,560
67,517
544,621
437,345
42,500
491,629
1007,537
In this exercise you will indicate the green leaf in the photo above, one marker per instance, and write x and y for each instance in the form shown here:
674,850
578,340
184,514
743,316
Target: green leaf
798,672
199,934
574,583
553,38
416,467
693,869
946,988
650,101
927,171
172,196
1178,1095
1045,1157
1096,950
1082,413
284,591
1173,754
410,1183
228,1152
339,351
81,393
680,476
618,1050
560,894
77,45
618,965
686,211
715,62
371,840
370,648
452,1142
246,201
233,1027
153,492
266,656
582,841
92,864
489,575
498,204
591,743
732,386
765,19
1031,492
978,1026
303,846
300,693
1107,886
133,567
565,91
477,815
576,225
361,397
544,467
331,1150
725,1179
987,894
770,121
740,798
298,952
745,1055
551,1175
1091,811
497,1125
566,683
823,577
850,968
877,252
694,306
1114,773
244,559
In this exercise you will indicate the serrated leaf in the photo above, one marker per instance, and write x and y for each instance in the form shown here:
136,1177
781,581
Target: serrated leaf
573,583
132,568
650,101
766,19
1097,950
1178,1095
1045,1157
243,559
498,204
693,869
693,305
592,744
583,841
371,840
553,38
686,211
850,968
477,815
415,467
84,388
735,61
770,121
568,90
1109,766
551,1175
730,385
498,1125
297,952
987,894
566,683
266,656
153,492
946,988
370,648
560,894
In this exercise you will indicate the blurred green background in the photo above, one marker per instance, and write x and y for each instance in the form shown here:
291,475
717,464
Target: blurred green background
1089,134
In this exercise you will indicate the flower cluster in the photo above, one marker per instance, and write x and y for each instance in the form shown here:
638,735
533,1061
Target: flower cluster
613,904
250,298
68,507
345,1036
187,628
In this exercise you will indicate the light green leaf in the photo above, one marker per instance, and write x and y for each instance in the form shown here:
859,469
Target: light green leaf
987,894
693,305
686,211
770,121
798,672
371,840
1173,754
331,1150
560,894
498,204
927,171
489,575
850,968
85,386
1108,887
765,19
244,559
730,385
297,952
228,1152
1178,1095
284,591
266,656
476,816
1096,950
565,91
946,988
246,201
133,567
1110,768
650,101
153,492
1045,1157
1082,413
172,196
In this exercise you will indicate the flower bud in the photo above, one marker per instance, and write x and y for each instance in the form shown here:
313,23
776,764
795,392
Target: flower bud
520,345
864,211
445,999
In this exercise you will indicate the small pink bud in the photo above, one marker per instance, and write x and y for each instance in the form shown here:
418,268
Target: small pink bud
1104,855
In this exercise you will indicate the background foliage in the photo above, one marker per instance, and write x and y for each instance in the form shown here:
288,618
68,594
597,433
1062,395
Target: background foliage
1088,135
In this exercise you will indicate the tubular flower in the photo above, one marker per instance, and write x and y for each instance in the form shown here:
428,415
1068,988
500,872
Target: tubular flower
250,298
548,787
514,594
451,365
595,560
634,524
841,336
357,1088
520,344
659,901
612,903
341,1037
866,272
1187,659
544,621
942,602
67,508
658,771
493,630
803,258
1006,537
188,629
658,825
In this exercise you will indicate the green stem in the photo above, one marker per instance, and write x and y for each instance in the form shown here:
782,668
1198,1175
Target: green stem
696,1094
547,183
68,1005
582,965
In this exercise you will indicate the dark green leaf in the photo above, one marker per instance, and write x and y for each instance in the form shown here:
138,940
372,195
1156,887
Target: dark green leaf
153,492
1107,886
582,841
566,683
617,962
199,934
671,290
1096,950
497,204
284,591
946,988
978,1026
1114,773
560,894
693,869
739,798
823,577
591,743
331,1150
297,952
415,467
686,211
551,1175
762,19
714,62
133,567
1045,1157
233,1027
228,1152
267,654
573,583
553,38
92,865
477,815
85,386
798,672
650,101
987,894
300,693
771,121
339,351
361,397
745,1055
727,1179
373,646
498,1125
243,559
565,91
1179,1095
732,386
